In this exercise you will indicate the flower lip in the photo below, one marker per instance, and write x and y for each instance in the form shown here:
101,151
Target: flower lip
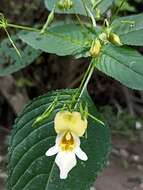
66,160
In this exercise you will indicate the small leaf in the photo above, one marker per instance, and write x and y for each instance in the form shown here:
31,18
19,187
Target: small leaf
130,29
10,62
123,64
29,168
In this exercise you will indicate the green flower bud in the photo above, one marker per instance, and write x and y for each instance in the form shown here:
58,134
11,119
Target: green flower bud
69,4
115,39
61,4
103,37
65,4
97,13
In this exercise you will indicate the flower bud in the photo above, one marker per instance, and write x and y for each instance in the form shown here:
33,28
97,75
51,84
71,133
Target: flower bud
103,38
69,4
115,39
61,4
65,4
97,13
95,48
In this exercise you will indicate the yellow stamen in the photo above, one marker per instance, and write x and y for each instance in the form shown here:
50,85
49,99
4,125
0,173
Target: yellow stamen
68,136
67,143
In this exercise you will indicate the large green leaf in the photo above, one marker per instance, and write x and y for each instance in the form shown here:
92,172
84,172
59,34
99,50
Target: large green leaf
130,29
30,169
123,64
10,62
78,7
62,39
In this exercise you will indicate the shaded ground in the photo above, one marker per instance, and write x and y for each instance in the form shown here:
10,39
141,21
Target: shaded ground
117,178
125,169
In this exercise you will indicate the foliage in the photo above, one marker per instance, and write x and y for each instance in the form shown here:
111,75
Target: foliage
79,6
61,39
123,64
9,60
126,6
130,29
29,168
69,39
110,44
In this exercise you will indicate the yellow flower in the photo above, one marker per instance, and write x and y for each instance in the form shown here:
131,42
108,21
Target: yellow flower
69,127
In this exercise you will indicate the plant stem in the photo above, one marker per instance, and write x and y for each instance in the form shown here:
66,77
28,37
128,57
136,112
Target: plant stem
122,3
84,5
85,76
117,10
23,27
10,39
79,20
84,82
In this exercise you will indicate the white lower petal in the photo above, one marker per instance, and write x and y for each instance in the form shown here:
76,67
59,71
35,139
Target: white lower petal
65,161
55,149
80,154
58,138
52,151
77,139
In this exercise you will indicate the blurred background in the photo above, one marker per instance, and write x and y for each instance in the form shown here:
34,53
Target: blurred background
121,107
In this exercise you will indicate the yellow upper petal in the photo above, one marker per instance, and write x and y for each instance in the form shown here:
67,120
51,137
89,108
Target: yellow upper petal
70,121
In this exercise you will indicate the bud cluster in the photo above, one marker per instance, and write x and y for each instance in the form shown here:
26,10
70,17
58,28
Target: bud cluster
65,4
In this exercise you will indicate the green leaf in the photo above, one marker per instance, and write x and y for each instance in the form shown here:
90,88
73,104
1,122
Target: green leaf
123,64
125,7
62,39
78,7
29,168
104,5
130,29
10,62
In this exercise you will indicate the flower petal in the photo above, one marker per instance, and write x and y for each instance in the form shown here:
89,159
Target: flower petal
61,121
65,161
77,124
52,151
80,154
70,121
